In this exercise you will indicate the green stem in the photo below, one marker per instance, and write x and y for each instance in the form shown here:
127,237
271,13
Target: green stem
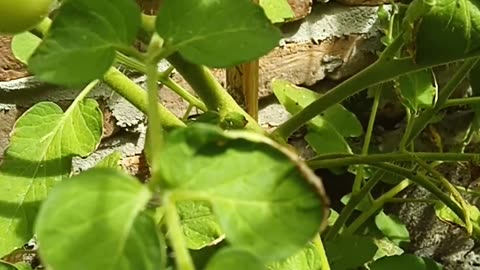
452,190
83,94
376,205
155,130
424,118
331,161
383,70
368,135
355,199
138,97
164,79
209,90
317,241
424,182
408,130
461,102
175,234
410,200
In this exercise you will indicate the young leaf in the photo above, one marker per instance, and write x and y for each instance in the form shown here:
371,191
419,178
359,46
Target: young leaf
386,248
272,210
277,10
306,259
42,145
405,261
350,251
234,259
23,46
199,224
418,89
442,30
208,31
392,228
444,213
80,45
98,213
331,126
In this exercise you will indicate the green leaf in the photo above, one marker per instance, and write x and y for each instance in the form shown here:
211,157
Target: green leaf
99,213
350,251
405,261
260,208
199,224
418,89
386,248
306,259
110,161
363,206
40,152
444,213
82,40
234,259
326,131
208,31
23,46
442,30
7,266
392,228
277,10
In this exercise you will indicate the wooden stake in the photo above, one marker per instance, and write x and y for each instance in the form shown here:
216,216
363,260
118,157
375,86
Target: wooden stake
242,84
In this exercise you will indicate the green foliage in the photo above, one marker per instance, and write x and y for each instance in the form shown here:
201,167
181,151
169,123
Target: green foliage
40,152
332,125
289,196
235,259
213,29
224,197
339,251
102,208
87,33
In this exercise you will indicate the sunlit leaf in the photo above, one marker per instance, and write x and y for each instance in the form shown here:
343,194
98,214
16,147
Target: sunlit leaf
99,213
23,45
208,31
277,10
259,208
40,152
80,45
418,89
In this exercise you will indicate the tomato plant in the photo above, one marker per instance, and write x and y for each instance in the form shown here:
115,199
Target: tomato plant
221,186
22,15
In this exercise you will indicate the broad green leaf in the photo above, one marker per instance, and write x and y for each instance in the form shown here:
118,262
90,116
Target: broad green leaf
199,224
207,32
110,161
260,208
97,215
277,10
23,46
40,152
392,228
306,259
80,45
386,248
418,89
326,131
405,261
234,259
442,30
350,251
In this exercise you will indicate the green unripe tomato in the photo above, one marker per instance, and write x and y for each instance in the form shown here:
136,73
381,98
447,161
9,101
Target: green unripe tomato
18,16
